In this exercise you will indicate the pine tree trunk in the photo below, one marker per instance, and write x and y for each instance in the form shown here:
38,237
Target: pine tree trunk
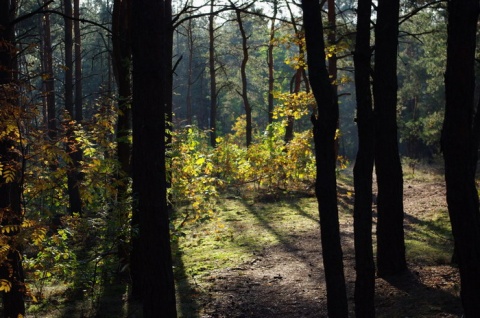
457,144
243,72
75,201
362,172
122,64
270,62
11,269
390,234
213,76
324,127
151,24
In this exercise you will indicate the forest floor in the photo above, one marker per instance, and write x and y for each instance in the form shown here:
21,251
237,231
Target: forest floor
261,258
283,277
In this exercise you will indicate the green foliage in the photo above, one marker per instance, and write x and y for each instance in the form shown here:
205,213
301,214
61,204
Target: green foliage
198,173
193,190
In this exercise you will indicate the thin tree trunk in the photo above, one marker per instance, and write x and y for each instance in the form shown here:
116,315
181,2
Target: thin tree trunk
297,78
324,127
332,57
49,80
243,72
189,33
122,64
270,62
457,143
364,263
213,75
78,64
151,24
390,234
75,202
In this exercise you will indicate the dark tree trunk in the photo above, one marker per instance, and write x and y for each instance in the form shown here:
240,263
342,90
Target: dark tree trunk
78,154
243,72
362,172
48,78
457,145
332,58
75,201
78,65
213,75
295,85
296,81
151,24
324,126
122,64
270,62
390,234
189,34
11,268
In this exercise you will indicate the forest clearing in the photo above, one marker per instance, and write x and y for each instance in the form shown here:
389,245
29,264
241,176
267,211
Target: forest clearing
264,260
261,258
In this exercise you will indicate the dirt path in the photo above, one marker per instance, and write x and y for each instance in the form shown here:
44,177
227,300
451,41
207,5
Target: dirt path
287,280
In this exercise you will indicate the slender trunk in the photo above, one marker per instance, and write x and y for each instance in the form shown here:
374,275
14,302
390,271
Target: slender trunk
294,89
213,75
297,78
332,57
169,79
78,64
75,202
270,62
390,234
11,269
324,127
243,72
457,143
189,32
78,155
48,79
151,51
364,263
122,63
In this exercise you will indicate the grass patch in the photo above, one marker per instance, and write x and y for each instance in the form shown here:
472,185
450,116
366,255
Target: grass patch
429,240
242,229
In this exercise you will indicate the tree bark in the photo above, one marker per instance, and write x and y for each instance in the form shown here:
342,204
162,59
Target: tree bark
324,127
270,62
78,65
11,268
362,172
332,58
190,44
243,72
48,78
390,234
151,24
75,201
213,75
457,145
122,64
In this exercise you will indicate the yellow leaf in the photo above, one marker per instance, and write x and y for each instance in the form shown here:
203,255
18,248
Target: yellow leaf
5,285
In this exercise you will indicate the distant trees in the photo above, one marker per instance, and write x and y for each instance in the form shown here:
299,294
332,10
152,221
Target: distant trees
458,145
